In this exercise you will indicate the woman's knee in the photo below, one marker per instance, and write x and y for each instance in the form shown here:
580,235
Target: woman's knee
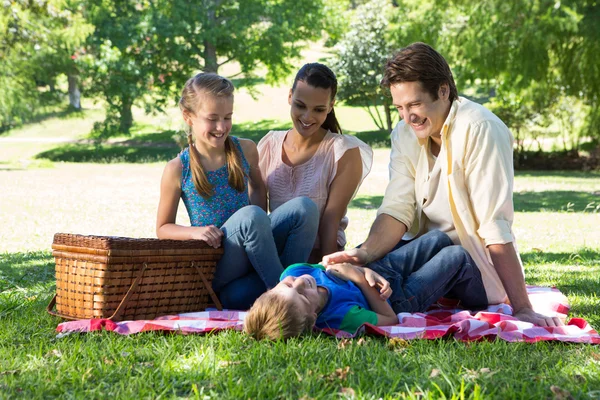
305,206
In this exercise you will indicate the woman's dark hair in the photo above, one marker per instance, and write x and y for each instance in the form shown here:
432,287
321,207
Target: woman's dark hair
320,76
419,62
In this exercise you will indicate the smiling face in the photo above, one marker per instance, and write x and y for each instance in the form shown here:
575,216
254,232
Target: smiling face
309,107
211,123
417,108
302,291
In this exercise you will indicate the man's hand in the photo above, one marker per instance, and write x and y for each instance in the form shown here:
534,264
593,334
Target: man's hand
528,315
355,256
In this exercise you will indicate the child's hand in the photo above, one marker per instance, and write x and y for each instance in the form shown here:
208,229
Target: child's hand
347,272
377,281
210,234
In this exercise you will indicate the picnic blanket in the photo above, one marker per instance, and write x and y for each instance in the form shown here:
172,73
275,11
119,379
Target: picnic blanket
439,321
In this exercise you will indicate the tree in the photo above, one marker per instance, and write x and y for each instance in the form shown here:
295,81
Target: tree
37,41
144,51
66,31
359,60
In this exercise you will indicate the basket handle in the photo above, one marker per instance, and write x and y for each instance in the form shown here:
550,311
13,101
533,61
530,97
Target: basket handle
132,289
50,310
208,287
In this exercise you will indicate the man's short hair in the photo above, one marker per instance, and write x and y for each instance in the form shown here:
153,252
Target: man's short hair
419,62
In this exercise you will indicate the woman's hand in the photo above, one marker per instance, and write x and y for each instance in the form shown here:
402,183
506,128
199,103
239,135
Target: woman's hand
210,234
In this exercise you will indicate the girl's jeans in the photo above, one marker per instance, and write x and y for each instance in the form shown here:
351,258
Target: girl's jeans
258,247
422,270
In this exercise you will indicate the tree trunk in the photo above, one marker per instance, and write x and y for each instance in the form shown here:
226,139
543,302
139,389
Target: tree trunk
388,112
210,51
74,93
126,117
210,57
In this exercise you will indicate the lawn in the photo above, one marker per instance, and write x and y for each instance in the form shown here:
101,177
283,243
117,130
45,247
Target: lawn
74,186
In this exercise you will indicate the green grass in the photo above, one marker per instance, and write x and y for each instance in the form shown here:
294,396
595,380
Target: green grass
35,363
74,186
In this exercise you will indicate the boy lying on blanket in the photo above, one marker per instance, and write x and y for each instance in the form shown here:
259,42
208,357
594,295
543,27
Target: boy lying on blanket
344,296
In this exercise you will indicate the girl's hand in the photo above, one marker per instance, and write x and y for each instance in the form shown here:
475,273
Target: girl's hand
377,281
210,234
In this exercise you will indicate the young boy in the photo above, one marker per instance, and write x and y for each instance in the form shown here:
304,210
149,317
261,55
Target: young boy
344,296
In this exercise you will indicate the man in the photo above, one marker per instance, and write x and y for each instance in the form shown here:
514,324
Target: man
451,169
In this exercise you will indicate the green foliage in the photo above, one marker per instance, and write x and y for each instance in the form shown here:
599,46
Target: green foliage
37,41
360,55
144,51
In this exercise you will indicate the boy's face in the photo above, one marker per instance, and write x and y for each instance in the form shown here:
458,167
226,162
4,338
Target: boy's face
301,291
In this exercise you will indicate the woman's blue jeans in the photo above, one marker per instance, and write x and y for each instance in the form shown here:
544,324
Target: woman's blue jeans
258,247
422,270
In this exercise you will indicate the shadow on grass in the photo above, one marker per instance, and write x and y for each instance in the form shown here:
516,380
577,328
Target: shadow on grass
256,130
558,173
556,200
375,139
366,202
105,154
23,270
53,112
524,202
26,280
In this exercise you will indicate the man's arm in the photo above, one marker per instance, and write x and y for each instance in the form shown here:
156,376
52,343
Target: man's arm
397,211
489,179
385,233
506,262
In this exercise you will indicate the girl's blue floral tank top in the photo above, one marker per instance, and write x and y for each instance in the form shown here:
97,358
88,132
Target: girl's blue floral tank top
225,200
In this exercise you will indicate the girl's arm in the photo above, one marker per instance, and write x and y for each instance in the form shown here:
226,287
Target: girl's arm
170,193
347,178
256,187
385,313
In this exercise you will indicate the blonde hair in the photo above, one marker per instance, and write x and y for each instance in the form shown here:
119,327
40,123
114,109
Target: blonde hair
275,317
213,85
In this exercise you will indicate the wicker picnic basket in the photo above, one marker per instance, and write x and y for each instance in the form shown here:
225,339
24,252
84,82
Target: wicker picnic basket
122,278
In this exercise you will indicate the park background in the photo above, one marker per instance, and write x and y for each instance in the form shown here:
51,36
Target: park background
88,118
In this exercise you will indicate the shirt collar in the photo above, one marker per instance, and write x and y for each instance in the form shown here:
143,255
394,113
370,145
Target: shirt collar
447,123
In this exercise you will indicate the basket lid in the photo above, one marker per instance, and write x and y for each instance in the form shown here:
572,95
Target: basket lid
125,243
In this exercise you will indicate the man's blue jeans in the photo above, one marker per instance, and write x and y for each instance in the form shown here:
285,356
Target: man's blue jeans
422,270
258,247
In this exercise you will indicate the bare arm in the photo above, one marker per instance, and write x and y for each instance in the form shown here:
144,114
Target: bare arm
385,233
506,262
343,186
357,275
170,193
256,187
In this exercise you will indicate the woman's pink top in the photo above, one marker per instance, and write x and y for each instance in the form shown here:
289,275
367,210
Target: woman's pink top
312,178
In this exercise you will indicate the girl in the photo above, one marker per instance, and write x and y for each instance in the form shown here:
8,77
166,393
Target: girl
314,159
219,181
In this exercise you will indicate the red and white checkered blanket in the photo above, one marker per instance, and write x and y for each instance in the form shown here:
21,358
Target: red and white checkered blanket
495,322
